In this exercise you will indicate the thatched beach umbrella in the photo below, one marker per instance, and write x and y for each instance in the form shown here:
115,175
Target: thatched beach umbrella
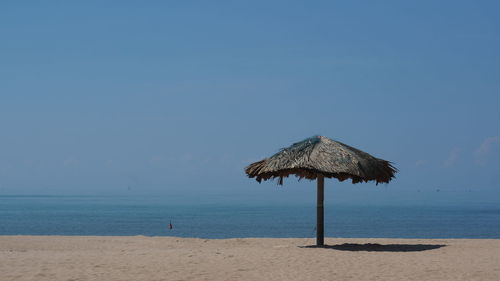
319,157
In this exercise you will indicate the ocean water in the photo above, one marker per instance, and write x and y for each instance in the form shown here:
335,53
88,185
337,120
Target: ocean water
150,216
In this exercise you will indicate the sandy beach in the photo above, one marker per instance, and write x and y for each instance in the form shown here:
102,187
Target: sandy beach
169,258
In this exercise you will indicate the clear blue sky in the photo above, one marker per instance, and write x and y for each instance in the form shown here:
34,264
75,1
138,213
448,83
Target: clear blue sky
177,97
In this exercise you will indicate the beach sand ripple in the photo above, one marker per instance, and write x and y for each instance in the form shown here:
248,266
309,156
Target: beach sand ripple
170,258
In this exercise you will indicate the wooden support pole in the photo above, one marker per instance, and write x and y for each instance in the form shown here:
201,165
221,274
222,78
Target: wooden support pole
320,231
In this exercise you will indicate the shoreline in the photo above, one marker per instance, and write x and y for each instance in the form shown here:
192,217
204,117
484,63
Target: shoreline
51,257
313,239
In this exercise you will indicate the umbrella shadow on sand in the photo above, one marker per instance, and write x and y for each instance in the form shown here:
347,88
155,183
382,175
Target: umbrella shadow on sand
369,247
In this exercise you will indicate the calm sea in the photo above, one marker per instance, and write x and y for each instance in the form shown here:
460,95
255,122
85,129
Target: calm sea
64,215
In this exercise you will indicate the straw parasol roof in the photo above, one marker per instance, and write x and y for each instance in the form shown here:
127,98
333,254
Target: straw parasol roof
321,156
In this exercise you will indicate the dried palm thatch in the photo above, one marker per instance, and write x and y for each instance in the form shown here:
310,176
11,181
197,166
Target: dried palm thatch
321,156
